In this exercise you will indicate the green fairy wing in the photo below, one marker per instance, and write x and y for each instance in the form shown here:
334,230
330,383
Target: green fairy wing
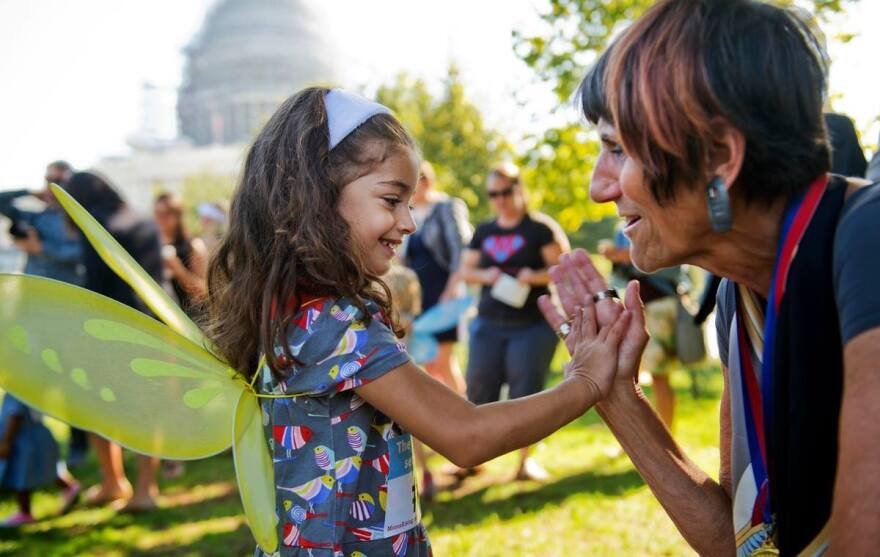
178,400
256,475
129,270
103,366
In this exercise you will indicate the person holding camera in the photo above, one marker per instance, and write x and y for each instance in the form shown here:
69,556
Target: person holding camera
53,249
28,452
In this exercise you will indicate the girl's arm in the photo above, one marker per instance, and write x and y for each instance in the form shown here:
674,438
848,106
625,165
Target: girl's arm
468,434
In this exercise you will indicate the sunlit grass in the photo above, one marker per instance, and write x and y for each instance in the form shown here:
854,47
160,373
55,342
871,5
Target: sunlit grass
595,503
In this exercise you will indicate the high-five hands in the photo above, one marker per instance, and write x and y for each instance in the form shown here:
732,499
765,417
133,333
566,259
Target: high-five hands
594,349
577,281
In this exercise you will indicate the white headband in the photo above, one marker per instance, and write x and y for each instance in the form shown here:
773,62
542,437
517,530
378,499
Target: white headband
346,111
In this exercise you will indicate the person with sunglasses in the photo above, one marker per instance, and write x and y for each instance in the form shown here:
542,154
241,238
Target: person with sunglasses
509,256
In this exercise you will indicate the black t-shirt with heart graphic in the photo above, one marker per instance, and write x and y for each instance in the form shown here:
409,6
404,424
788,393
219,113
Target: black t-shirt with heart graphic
511,249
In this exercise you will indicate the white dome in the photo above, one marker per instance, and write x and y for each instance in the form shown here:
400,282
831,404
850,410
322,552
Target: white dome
248,57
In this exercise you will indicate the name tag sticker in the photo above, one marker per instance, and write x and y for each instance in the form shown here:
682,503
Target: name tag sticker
402,512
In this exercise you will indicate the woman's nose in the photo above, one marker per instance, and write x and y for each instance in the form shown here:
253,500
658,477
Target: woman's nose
604,185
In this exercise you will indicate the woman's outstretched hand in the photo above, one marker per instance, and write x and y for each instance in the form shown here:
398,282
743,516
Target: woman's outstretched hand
595,349
577,281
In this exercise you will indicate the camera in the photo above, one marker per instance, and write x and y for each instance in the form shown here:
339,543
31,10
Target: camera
18,230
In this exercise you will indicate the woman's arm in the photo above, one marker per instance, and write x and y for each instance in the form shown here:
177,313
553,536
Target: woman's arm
615,254
7,208
855,511
468,434
457,232
192,279
450,291
700,507
470,273
855,514
550,252
541,277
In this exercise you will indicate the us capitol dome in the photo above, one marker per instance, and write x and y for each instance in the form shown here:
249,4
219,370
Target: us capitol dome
248,57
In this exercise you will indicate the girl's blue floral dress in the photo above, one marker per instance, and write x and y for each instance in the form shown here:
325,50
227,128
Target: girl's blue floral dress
343,471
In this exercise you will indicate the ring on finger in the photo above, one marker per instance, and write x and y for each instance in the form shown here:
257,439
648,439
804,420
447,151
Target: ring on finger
608,294
564,330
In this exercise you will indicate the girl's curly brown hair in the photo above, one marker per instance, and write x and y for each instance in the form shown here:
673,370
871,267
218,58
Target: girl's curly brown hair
285,235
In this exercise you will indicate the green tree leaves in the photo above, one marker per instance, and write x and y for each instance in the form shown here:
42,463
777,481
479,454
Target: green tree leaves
451,133
576,31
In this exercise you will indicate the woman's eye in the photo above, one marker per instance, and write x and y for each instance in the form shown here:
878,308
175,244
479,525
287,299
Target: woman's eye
613,148
392,201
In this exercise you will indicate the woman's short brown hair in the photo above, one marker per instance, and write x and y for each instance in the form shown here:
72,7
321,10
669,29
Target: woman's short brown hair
687,68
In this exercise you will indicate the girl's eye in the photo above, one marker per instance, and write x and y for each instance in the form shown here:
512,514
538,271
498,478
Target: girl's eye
391,201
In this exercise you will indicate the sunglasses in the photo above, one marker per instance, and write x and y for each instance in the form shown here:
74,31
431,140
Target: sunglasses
501,193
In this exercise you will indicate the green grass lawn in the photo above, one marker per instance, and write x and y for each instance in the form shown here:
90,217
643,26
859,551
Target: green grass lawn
595,503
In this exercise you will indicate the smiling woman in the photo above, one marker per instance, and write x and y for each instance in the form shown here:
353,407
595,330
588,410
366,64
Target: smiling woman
717,105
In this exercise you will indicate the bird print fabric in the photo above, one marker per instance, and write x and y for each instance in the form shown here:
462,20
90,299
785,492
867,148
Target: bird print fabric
343,470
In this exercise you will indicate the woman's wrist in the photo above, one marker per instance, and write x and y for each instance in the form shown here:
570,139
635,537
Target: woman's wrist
623,392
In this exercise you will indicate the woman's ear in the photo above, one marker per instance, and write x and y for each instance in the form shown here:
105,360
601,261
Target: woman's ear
726,163
729,154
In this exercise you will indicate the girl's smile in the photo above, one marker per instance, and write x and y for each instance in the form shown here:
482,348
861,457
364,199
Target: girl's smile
376,208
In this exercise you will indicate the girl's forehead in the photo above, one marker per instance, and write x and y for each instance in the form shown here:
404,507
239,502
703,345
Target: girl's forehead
399,167
402,161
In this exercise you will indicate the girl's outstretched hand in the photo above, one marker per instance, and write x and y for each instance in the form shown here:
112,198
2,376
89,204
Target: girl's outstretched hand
595,349
577,280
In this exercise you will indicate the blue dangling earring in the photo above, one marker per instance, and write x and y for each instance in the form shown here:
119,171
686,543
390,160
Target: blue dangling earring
720,212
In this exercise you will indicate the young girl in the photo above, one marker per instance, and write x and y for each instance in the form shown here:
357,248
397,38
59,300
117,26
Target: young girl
295,296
